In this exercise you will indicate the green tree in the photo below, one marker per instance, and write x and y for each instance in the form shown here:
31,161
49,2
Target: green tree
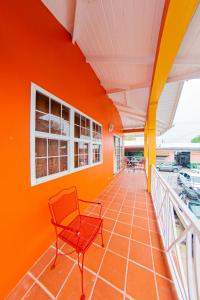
196,139
129,138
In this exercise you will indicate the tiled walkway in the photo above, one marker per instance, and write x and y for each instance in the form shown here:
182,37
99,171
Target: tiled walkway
131,266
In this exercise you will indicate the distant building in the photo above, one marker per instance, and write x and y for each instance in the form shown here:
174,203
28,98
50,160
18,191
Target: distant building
187,154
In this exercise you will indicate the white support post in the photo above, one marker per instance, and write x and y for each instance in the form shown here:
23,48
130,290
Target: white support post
71,141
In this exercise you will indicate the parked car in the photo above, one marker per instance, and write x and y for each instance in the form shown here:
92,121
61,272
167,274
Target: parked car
168,167
195,208
191,194
189,179
193,205
197,171
182,176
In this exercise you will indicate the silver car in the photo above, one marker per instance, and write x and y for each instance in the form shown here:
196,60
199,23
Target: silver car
190,179
168,168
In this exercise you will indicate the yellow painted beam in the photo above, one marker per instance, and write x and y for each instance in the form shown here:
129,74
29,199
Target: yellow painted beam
145,147
176,18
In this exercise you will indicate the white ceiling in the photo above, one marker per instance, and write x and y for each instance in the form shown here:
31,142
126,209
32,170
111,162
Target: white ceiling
167,105
187,63
119,40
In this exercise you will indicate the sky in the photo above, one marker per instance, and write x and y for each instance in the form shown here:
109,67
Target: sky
186,123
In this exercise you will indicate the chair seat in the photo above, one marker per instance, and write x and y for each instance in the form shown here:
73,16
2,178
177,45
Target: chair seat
88,228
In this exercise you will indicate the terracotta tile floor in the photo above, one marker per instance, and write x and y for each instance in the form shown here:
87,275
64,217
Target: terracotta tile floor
131,266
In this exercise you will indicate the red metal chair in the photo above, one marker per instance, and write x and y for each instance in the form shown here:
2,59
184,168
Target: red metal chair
81,231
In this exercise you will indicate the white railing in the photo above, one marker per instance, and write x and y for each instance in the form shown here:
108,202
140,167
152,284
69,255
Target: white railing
180,232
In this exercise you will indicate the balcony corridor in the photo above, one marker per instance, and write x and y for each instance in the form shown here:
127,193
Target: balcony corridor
131,266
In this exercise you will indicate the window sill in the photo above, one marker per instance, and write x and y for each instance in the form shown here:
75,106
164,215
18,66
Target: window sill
48,178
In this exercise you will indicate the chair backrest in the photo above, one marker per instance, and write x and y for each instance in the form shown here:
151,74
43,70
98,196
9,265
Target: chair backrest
63,203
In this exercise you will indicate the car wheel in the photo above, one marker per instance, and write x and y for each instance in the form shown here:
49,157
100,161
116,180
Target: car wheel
175,170
158,169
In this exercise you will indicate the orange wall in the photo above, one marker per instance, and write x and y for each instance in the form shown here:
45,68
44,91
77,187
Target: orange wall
34,47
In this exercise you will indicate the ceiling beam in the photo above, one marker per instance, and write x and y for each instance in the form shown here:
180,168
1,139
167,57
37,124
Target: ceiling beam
115,91
124,107
191,61
186,76
127,97
134,130
76,21
131,116
125,93
161,123
115,87
121,60
129,110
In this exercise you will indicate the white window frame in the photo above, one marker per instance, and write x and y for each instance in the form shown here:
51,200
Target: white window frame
71,139
115,171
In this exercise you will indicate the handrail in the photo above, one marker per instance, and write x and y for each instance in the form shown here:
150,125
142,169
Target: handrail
182,246
181,204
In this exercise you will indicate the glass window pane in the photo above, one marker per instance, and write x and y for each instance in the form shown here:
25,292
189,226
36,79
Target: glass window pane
65,113
65,128
83,121
41,122
77,119
77,131
55,108
82,133
42,102
87,123
65,121
75,161
96,131
55,125
63,148
76,148
41,167
81,148
52,148
63,163
86,148
96,153
53,165
88,132
81,160
40,147
86,160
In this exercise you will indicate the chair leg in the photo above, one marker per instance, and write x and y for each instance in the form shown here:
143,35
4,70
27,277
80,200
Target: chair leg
54,262
81,267
102,243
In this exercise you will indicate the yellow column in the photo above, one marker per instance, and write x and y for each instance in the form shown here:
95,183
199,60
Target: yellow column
152,154
151,136
176,18
145,148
